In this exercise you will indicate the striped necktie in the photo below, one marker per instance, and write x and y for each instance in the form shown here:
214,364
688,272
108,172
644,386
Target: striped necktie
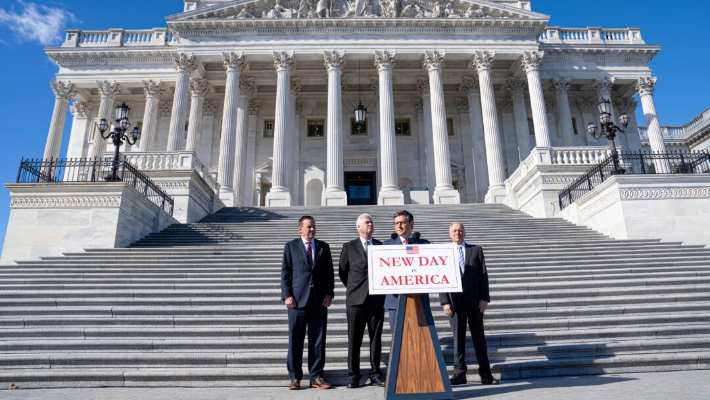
462,260
309,255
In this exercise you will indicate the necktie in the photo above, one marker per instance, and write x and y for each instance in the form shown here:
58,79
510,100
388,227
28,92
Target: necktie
405,241
367,243
462,262
309,254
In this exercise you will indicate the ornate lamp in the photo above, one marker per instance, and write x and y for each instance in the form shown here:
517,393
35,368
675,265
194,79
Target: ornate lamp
118,135
609,130
360,111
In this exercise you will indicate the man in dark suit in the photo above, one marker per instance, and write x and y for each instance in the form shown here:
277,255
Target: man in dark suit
362,308
307,289
403,226
467,308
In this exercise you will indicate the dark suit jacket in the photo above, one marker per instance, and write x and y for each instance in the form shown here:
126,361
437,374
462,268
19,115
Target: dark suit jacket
391,300
354,275
475,281
296,276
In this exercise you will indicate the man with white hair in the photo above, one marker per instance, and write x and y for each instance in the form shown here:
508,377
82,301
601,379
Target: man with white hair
362,308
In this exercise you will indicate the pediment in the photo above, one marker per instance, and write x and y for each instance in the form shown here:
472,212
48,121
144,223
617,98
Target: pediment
250,11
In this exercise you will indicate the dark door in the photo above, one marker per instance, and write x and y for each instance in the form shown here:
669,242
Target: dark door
360,187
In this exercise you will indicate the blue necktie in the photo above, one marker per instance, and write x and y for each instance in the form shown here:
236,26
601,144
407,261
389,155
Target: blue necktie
462,261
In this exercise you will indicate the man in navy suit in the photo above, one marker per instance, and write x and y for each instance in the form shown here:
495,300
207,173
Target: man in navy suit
467,308
362,308
403,225
307,289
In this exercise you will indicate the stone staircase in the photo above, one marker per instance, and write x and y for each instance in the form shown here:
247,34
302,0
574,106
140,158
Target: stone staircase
199,304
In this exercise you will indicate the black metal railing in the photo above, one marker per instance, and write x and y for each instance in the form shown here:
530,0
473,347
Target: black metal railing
76,170
636,163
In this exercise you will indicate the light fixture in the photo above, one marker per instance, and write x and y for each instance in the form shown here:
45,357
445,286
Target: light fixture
360,111
118,135
609,130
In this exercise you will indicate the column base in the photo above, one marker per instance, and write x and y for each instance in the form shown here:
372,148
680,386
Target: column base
227,197
278,199
447,196
496,195
339,198
390,198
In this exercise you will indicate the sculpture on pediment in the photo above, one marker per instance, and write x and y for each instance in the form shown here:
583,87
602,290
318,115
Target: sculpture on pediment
279,11
475,13
323,8
244,13
439,10
359,8
390,8
451,11
304,9
410,9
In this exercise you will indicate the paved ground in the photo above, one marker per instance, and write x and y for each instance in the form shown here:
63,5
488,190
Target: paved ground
689,385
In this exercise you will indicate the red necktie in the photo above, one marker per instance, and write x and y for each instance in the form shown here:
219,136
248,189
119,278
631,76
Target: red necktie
405,241
309,252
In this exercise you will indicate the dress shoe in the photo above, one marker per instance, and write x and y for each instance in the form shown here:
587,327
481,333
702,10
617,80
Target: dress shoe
489,380
353,384
295,385
377,381
458,379
320,384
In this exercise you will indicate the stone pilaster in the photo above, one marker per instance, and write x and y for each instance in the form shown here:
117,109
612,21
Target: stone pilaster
107,91
63,92
185,64
153,90
516,85
471,86
80,124
531,63
645,88
389,191
561,86
234,63
604,86
293,140
334,194
247,88
198,88
425,90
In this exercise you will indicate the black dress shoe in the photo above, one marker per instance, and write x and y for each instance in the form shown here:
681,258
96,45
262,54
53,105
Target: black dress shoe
353,384
458,379
377,381
489,380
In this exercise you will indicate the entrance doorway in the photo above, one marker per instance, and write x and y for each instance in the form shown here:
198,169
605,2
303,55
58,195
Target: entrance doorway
360,187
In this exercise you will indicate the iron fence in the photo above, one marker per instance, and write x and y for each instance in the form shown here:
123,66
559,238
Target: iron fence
77,170
636,163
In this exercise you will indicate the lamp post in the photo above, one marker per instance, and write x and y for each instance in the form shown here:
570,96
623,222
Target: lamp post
118,135
609,130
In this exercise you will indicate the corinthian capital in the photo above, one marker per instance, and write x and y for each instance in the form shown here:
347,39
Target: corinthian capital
423,85
247,86
63,90
516,85
603,86
646,86
184,62
462,105
585,105
284,61
418,105
108,89
334,60
234,62
209,109
433,60
254,107
626,104
532,60
296,86
482,60
506,105
384,60
153,88
470,85
166,108
561,85
199,87
82,110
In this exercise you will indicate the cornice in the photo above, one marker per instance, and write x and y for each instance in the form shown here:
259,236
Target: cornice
580,52
104,56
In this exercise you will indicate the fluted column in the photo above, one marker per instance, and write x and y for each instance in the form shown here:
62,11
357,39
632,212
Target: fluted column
153,90
185,64
425,90
233,63
444,192
198,88
645,88
389,191
470,85
516,85
483,62
334,194
561,86
279,195
63,92
107,92
247,88
532,63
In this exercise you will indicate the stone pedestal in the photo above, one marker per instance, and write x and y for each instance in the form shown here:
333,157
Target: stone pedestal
496,195
278,199
390,198
447,196
338,198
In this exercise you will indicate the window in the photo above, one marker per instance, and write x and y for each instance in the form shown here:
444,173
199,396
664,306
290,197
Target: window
450,126
316,128
184,134
268,128
265,188
531,126
455,184
357,129
401,127
574,125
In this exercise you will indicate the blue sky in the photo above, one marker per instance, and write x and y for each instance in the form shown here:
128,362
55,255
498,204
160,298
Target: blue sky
27,26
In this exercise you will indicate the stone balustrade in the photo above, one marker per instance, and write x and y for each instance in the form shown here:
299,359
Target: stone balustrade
591,35
697,126
181,160
578,155
119,37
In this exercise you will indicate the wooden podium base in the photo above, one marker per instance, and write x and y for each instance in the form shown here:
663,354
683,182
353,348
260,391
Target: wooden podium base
416,367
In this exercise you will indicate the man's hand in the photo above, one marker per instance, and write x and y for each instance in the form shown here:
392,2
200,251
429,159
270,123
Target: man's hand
327,300
448,310
483,305
290,302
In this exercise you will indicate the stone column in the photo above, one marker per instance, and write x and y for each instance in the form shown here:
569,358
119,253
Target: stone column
561,86
471,87
63,92
185,64
532,63
483,62
444,192
233,63
424,88
153,90
247,88
516,85
645,88
334,193
390,194
77,139
603,86
107,91
199,88
279,195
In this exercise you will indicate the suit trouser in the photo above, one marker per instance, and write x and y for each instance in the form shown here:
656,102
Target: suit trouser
358,317
314,317
475,323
